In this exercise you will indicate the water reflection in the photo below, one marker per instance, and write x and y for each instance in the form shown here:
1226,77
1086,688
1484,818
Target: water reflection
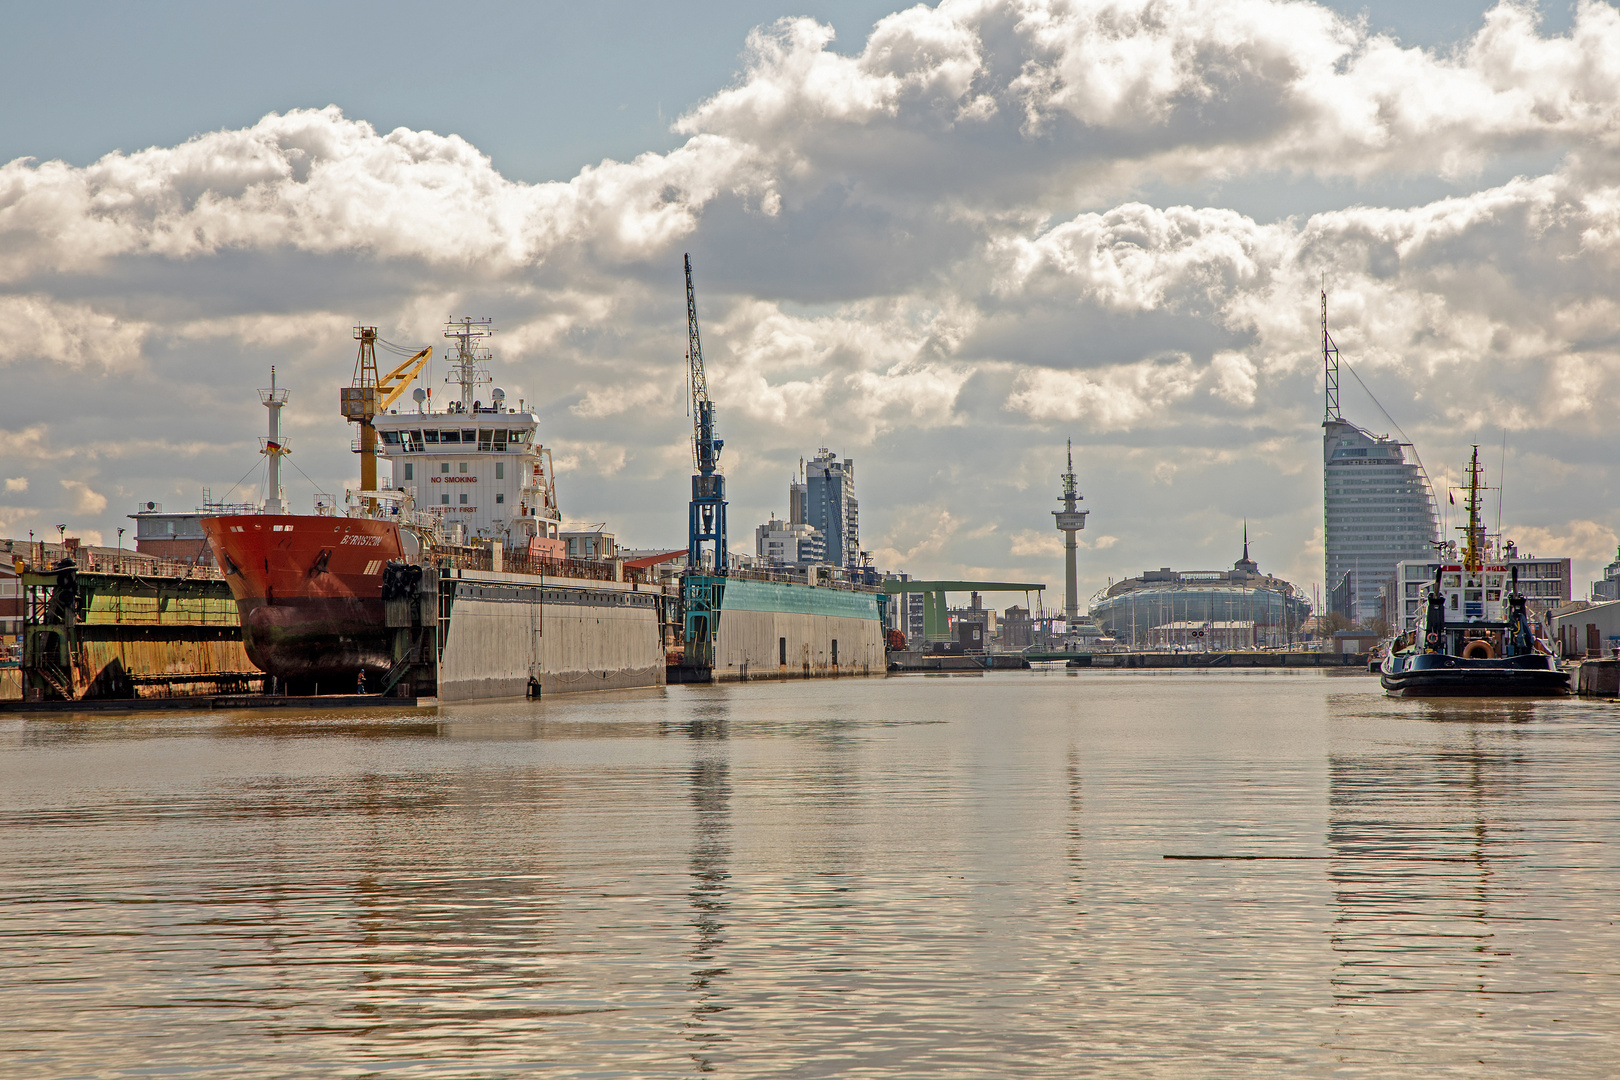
1423,839
849,878
1076,814
710,784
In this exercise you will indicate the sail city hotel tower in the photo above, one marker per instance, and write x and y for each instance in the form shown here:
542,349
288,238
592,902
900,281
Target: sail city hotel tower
1377,507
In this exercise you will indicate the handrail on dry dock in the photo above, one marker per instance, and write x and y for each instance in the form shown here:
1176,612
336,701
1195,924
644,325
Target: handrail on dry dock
521,562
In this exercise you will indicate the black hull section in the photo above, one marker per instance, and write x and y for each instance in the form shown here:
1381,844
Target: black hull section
1440,675
326,639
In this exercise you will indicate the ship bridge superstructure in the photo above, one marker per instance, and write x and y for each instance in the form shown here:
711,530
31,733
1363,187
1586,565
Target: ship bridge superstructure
477,466
482,469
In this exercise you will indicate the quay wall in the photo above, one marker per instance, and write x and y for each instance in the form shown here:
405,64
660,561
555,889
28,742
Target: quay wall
1598,678
1227,660
568,636
822,632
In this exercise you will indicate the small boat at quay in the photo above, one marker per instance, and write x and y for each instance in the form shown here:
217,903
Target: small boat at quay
1476,637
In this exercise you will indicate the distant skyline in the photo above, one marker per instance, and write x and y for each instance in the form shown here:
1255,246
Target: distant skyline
939,242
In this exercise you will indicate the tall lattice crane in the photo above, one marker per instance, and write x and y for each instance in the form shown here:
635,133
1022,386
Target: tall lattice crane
708,513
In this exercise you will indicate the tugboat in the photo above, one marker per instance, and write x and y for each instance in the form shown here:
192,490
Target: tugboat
1476,638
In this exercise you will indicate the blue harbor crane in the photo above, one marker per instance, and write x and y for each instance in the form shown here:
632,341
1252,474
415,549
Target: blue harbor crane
708,514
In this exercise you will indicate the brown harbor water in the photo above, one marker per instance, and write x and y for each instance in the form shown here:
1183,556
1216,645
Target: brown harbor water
1267,874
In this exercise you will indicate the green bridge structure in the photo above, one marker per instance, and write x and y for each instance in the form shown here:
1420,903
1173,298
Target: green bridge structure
936,618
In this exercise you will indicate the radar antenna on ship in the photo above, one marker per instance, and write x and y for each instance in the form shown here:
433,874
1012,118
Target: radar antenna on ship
467,363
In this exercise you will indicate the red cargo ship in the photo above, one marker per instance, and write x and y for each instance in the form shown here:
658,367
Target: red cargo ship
309,590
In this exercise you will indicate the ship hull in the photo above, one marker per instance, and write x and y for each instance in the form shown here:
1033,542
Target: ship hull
309,593
1443,675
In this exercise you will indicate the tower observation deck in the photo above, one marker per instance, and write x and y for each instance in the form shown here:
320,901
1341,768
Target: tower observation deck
1070,520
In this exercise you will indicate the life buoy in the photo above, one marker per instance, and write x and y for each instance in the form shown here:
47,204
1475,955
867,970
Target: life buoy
1479,650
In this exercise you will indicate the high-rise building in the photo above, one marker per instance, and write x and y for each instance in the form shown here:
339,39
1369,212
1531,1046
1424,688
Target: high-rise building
798,501
831,507
781,543
1377,511
1377,508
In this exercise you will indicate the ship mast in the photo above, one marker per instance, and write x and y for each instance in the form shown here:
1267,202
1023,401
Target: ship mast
1473,550
274,448
466,366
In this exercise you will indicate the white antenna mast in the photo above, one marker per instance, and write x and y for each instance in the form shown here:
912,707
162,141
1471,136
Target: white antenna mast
467,365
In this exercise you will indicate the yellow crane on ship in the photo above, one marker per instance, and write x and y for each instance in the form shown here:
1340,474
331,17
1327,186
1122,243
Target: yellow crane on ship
370,394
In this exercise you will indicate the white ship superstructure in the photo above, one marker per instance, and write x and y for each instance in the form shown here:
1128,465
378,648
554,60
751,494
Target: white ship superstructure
478,466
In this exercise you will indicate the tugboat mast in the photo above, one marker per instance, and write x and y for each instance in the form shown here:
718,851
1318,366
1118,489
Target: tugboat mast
1473,548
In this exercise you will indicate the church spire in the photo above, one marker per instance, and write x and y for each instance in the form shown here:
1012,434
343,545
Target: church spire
1246,564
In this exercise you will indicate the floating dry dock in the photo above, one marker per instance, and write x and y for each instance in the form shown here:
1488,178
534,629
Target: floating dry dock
92,634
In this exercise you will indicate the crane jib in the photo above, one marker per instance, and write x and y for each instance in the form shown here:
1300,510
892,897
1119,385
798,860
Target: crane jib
708,508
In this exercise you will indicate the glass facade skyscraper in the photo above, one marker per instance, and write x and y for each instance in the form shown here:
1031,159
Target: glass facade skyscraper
1377,511
831,506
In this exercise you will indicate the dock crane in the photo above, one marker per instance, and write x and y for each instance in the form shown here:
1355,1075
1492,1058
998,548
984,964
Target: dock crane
708,512
370,394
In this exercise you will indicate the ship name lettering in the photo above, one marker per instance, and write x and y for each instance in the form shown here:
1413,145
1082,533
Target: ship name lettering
362,541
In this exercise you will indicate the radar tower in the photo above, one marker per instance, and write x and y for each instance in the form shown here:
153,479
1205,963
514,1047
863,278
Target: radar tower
1070,520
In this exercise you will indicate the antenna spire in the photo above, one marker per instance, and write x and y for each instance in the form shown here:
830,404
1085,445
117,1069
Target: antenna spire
1070,520
1330,364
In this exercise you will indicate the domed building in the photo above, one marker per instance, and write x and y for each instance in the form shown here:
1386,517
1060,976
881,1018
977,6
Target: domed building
1218,609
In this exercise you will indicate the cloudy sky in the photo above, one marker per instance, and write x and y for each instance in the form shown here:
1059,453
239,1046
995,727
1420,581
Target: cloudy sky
940,240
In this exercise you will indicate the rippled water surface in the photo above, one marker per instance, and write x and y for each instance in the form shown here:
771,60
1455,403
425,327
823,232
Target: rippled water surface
1045,873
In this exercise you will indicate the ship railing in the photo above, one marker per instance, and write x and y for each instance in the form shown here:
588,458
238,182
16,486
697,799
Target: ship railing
89,562
521,562
792,577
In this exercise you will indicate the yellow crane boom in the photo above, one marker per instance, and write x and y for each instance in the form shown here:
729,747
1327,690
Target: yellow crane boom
371,394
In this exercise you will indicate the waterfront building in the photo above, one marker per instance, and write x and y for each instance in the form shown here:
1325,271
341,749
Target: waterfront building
177,536
1017,628
591,543
1586,631
907,612
1377,511
781,543
975,614
11,601
1609,587
1131,609
831,506
1218,636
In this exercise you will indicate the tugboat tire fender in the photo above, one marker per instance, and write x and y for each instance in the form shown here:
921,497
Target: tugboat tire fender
1478,650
